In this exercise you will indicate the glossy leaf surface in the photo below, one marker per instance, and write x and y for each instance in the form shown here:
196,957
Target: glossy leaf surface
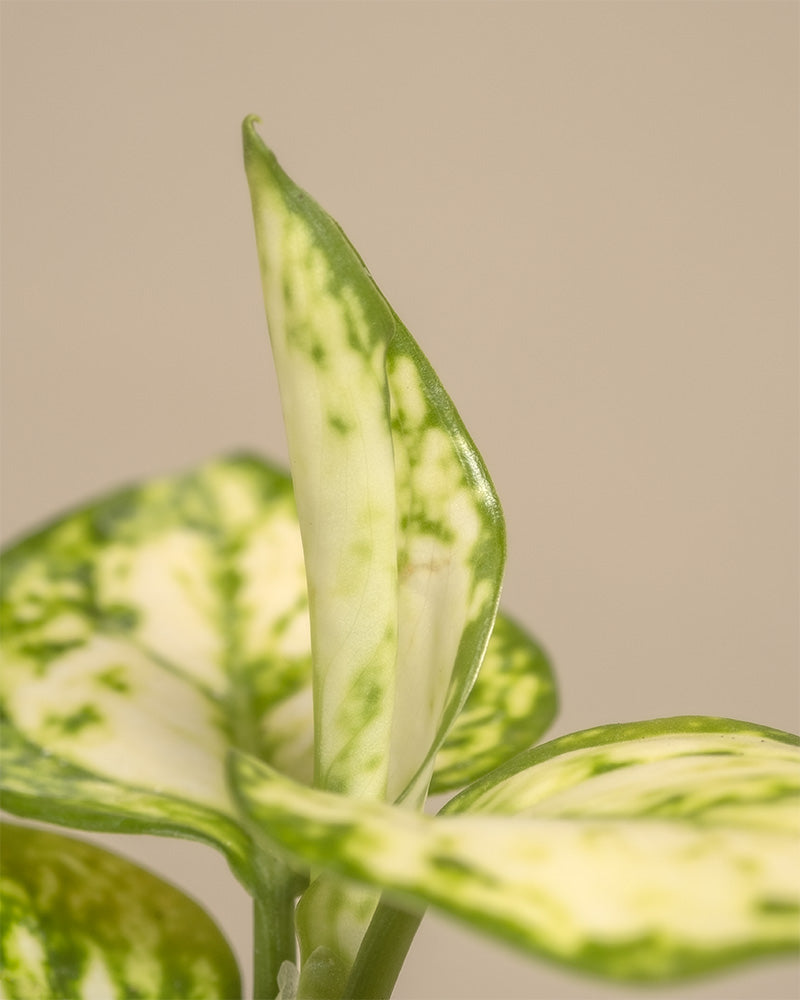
643,852
402,531
81,922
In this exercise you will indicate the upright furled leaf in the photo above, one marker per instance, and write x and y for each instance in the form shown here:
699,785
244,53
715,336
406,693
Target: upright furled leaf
402,531
81,922
144,636
641,852
329,333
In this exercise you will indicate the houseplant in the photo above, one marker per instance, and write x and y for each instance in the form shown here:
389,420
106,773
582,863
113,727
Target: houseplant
176,661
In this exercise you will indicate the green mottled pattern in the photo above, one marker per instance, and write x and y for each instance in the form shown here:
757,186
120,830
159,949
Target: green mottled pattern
510,706
712,771
450,553
402,531
624,890
79,922
328,332
43,786
142,637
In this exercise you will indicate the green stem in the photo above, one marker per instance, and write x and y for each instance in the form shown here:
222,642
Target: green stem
382,953
273,923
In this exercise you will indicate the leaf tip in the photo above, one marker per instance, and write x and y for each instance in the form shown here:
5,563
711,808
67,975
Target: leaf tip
264,174
255,149
249,134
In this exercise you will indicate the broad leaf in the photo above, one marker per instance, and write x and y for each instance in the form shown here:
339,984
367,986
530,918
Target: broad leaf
402,531
81,922
144,636
647,851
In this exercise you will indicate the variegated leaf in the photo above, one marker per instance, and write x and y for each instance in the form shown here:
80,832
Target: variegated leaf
145,635
509,708
648,851
402,531
81,922
705,770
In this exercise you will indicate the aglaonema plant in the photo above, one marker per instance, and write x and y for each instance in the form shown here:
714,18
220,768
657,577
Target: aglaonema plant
286,668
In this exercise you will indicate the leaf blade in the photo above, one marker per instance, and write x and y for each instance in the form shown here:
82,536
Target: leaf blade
328,331
512,704
687,766
80,921
648,897
142,636
405,549
451,557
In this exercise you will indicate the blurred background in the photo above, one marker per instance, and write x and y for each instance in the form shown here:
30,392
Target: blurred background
587,215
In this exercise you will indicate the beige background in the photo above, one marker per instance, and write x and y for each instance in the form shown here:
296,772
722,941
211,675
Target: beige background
586,213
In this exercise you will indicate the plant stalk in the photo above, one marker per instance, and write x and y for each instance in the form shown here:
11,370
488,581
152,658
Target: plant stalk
273,922
382,953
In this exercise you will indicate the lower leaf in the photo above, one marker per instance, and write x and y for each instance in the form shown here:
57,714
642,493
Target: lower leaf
81,922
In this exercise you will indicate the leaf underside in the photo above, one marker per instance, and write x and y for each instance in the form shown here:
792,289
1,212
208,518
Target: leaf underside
645,852
81,922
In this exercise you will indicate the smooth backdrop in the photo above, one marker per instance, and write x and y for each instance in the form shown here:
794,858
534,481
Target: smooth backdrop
586,212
